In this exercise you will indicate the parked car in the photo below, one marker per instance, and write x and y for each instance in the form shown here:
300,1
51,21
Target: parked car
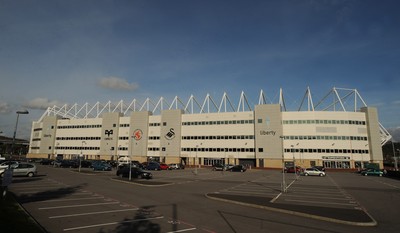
238,168
7,163
372,172
21,169
164,166
136,172
69,164
101,166
219,167
153,166
174,166
86,163
291,169
313,172
46,161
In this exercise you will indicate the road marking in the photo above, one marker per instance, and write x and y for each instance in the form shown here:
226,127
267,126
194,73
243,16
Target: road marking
92,213
111,223
320,202
73,206
183,230
72,199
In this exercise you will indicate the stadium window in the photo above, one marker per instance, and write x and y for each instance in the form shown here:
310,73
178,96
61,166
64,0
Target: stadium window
260,150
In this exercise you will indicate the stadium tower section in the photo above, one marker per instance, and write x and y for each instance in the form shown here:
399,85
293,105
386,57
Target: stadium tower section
206,134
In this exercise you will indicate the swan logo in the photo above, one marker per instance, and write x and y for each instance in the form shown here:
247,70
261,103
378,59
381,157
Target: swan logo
170,135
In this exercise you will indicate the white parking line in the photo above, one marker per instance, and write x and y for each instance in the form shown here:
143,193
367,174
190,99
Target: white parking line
92,213
321,202
72,199
183,230
73,206
111,223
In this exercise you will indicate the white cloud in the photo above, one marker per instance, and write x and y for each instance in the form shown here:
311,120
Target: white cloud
42,103
117,84
4,107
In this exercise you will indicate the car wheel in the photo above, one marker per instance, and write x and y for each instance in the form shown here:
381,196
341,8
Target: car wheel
365,174
30,174
321,174
380,174
2,175
306,174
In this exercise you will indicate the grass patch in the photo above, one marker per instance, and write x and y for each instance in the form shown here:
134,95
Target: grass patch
13,218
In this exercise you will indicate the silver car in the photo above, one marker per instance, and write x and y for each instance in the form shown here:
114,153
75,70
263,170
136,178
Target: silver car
313,172
22,169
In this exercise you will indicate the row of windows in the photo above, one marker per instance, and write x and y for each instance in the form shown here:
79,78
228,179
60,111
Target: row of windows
124,125
231,122
154,124
78,138
326,137
335,122
77,148
336,151
219,137
228,137
78,126
218,149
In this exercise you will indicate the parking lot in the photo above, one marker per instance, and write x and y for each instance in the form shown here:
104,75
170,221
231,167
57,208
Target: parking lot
64,200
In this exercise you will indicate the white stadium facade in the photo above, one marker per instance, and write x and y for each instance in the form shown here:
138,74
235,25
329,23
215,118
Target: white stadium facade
340,132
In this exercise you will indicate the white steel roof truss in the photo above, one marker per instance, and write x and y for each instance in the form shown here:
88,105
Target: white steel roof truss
242,102
225,99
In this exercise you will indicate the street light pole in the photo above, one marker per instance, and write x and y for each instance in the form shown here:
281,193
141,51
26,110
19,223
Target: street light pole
81,155
15,129
195,166
283,167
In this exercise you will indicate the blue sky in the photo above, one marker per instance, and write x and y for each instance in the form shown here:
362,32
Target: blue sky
54,52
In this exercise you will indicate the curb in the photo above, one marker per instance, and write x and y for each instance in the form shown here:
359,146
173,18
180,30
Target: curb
140,184
296,213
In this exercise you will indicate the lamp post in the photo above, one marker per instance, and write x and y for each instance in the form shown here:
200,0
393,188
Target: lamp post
15,129
283,167
195,166
81,155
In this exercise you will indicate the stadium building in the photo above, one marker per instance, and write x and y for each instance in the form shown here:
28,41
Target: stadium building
330,133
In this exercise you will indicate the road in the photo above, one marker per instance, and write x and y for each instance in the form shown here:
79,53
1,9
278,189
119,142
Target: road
64,200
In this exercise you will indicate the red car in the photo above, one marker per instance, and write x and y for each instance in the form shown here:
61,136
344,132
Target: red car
164,166
291,169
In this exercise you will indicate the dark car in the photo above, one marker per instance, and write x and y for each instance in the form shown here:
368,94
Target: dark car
136,172
219,167
46,161
153,166
101,166
238,168
372,172
69,164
